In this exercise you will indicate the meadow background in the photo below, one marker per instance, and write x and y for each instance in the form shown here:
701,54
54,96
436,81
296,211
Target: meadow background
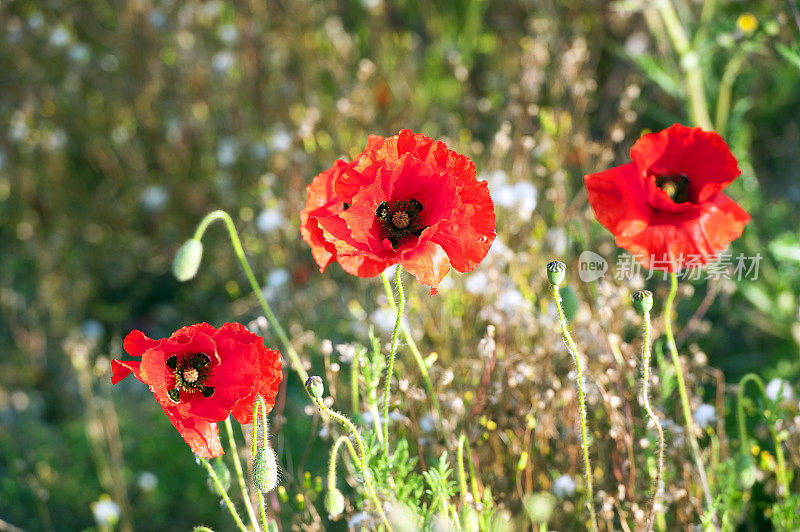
123,123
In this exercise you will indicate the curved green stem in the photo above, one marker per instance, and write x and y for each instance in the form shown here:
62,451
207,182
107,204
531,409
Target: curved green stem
687,411
726,90
783,478
646,344
334,453
362,462
237,464
412,345
401,303
573,350
294,358
221,490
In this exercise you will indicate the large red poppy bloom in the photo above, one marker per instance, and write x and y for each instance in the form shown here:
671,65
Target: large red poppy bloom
200,375
667,207
405,200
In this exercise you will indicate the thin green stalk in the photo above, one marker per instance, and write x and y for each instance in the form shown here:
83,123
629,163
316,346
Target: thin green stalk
726,90
294,358
237,464
332,462
690,63
783,477
221,490
401,297
646,344
412,345
362,463
687,411
354,381
462,477
254,449
472,477
573,350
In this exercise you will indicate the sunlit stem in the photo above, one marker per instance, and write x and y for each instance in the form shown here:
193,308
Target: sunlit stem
462,477
260,496
401,303
294,358
221,491
690,63
687,411
783,478
237,465
573,350
412,345
341,440
646,345
361,463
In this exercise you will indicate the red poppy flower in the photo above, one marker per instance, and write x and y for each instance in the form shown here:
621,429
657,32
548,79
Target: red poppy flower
200,375
667,207
405,200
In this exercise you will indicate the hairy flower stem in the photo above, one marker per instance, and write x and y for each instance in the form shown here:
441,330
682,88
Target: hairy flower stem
294,358
573,350
462,477
783,478
361,463
334,453
412,345
237,465
687,411
221,491
254,449
401,303
646,344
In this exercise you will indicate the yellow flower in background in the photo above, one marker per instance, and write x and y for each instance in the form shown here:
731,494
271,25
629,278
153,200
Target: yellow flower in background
747,22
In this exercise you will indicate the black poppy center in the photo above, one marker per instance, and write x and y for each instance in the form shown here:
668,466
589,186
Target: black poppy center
400,219
676,186
191,373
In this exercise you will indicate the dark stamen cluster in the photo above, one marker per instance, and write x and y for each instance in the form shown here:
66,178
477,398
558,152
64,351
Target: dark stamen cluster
676,186
190,374
400,219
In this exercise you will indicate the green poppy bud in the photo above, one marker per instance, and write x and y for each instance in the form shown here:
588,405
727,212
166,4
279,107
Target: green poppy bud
187,260
334,502
272,526
556,270
265,470
642,301
315,387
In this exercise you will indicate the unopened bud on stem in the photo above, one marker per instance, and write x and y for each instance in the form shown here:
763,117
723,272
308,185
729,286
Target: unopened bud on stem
187,260
643,301
556,270
315,387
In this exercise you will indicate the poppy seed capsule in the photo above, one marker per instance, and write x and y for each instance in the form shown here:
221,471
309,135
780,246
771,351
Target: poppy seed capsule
315,386
556,270
642,301
187,260
334,502
265,470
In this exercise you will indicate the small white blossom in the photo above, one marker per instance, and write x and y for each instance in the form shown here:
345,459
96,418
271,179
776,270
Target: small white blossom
705,415
779,388
564,486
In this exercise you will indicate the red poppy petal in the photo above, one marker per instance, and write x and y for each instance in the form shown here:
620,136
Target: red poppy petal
701,155
268,379
719,222
136,343
617,198
469,232
363,266
427,262
122,368
201,435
